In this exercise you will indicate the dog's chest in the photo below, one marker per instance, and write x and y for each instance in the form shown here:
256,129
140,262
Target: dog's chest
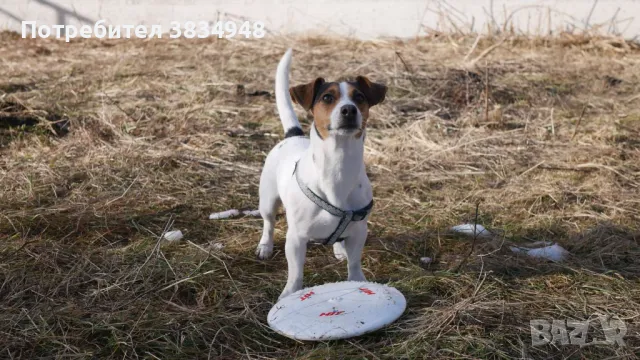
317,224
320,225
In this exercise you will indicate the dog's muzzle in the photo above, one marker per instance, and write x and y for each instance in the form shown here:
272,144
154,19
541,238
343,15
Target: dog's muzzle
348,117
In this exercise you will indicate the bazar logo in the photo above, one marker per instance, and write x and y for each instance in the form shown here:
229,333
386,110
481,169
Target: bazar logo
574,332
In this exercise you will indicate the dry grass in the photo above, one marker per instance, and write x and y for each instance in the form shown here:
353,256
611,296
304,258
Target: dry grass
106,160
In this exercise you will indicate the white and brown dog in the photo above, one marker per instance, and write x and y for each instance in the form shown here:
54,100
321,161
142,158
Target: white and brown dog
320,180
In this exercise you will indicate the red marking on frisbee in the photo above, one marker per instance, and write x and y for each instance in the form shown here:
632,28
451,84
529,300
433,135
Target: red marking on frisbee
366,291
306,296
333,313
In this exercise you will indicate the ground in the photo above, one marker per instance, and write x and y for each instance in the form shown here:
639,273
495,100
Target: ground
106,144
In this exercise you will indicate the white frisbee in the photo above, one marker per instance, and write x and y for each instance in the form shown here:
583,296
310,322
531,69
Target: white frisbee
336,310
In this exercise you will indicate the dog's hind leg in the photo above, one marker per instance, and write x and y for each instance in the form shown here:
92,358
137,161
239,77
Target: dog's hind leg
339,251
268,208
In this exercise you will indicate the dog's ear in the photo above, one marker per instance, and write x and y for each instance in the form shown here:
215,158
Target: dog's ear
374,92
304,94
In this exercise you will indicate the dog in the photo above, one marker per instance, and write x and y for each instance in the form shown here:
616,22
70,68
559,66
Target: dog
321,179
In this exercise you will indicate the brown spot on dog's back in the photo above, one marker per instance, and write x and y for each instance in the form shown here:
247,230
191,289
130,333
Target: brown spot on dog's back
322,110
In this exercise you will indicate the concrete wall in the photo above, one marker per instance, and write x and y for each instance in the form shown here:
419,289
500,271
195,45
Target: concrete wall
359,18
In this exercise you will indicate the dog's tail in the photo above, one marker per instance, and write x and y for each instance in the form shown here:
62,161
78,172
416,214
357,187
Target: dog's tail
283,98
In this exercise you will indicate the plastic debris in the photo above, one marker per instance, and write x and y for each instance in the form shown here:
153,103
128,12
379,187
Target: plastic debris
233,212
426,260
553,252
468,229
255,213
172,236
224,214
217,246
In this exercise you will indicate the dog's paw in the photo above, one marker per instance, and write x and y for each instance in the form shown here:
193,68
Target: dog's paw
358,276
290,288
286,292
284,295
339,251
264,251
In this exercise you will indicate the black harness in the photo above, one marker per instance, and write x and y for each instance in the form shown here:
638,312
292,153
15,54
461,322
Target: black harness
345,216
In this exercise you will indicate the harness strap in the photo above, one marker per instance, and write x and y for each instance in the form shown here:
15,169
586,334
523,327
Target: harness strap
346,217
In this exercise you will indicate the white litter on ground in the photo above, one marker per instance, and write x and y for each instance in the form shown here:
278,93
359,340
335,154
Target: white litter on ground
468,229
252,212
231,213
217,246
553,252
426,260
224,214
172,236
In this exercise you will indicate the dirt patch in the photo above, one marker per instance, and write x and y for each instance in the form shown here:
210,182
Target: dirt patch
10,88
15,118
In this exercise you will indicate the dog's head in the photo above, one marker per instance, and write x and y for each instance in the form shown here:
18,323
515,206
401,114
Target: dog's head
339,108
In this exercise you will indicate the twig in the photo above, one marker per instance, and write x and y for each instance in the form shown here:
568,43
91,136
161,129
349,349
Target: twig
561,168
473,243
612,26
214,165
532,168
493,18
486,94
595,2
123,194
177,282
156,247
486,52
114,103
405,66
549,28
575,130
632,98
473,47
363,349
609,168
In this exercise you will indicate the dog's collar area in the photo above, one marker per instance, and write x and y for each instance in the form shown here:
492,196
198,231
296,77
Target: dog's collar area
345,216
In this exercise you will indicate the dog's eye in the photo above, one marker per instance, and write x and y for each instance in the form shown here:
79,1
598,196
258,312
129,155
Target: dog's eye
358,98
327,98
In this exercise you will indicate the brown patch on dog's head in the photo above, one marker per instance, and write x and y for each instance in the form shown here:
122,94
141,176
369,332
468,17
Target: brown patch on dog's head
374,92
366,94
326,100
306,93
321,98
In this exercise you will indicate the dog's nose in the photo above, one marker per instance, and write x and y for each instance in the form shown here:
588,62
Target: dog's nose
349,112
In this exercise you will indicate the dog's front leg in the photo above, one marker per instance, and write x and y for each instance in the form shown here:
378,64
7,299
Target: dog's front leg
354,245
296,251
